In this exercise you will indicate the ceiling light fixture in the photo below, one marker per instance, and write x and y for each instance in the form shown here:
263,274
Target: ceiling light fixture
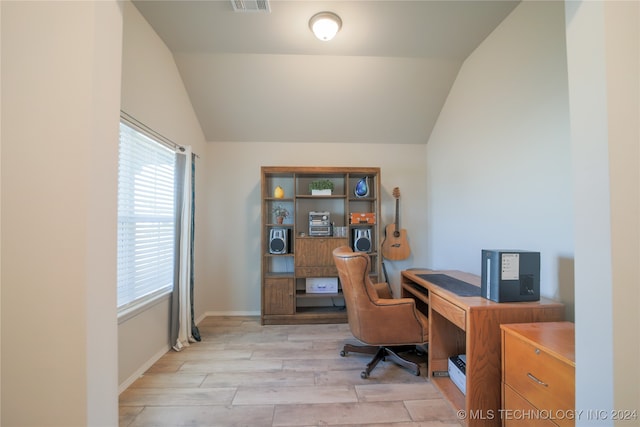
325,25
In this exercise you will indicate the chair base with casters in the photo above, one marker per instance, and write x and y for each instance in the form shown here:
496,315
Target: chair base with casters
396,354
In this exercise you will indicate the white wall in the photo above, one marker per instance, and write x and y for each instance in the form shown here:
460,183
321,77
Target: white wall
153,93
498,160
603,56
233,196
60,102
622,21
0,225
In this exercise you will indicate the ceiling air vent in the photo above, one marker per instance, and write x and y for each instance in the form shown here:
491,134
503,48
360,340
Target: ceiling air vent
251,5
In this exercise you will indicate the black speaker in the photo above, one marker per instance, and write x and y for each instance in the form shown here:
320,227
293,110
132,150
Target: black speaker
362,240
278,241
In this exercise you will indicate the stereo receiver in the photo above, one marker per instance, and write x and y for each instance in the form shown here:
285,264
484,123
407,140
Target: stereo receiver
319,224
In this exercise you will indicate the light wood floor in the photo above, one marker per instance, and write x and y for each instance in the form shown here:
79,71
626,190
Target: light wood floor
246,374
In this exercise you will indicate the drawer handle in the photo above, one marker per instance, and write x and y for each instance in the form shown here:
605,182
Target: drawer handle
537,380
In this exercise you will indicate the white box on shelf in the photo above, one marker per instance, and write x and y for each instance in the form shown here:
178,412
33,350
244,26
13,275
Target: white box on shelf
322,285
457,371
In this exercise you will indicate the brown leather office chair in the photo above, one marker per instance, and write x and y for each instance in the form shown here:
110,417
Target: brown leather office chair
389,327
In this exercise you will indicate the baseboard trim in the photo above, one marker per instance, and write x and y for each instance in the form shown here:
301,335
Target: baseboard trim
138,373
227,313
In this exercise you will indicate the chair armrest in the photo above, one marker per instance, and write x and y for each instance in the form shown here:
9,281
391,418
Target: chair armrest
401,307
396,301
383,290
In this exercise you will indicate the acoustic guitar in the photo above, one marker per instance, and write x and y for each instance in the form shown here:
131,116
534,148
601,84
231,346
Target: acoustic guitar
395,246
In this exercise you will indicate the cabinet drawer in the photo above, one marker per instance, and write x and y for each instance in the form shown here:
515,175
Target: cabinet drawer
452,312
316,272
519,413
539,377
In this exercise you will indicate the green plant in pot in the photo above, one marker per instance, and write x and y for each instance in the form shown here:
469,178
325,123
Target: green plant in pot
321,186
280,213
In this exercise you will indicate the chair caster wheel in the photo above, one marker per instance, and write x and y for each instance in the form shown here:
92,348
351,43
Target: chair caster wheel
364,375
343,353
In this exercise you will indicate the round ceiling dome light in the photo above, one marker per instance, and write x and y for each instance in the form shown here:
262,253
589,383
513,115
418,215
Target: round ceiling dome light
325,25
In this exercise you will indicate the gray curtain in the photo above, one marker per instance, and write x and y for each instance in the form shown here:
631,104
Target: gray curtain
175,300
194,329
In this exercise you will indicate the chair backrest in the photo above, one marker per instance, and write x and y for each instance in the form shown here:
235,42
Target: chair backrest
359,293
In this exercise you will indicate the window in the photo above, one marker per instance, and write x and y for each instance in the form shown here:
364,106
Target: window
146,218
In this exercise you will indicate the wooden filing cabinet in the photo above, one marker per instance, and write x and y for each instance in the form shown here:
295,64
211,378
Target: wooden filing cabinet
538,374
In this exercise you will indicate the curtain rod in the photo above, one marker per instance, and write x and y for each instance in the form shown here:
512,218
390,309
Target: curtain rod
163,139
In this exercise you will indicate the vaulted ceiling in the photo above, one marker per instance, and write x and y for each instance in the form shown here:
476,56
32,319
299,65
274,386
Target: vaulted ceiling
264,77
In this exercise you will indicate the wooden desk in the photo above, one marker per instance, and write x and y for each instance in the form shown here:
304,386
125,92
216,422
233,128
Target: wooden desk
471,326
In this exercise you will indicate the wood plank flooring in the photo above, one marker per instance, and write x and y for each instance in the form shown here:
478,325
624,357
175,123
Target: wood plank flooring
246,374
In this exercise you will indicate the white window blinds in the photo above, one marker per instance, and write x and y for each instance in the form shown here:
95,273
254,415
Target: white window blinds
146,218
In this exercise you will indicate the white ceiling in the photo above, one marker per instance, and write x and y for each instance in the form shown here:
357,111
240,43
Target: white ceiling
263,77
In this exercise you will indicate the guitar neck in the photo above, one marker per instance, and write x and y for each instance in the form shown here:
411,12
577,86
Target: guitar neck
397,221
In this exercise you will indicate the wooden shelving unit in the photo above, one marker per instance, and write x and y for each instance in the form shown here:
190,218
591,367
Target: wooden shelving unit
285,299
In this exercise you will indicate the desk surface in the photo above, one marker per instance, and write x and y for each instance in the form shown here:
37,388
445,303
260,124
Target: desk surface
463,301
